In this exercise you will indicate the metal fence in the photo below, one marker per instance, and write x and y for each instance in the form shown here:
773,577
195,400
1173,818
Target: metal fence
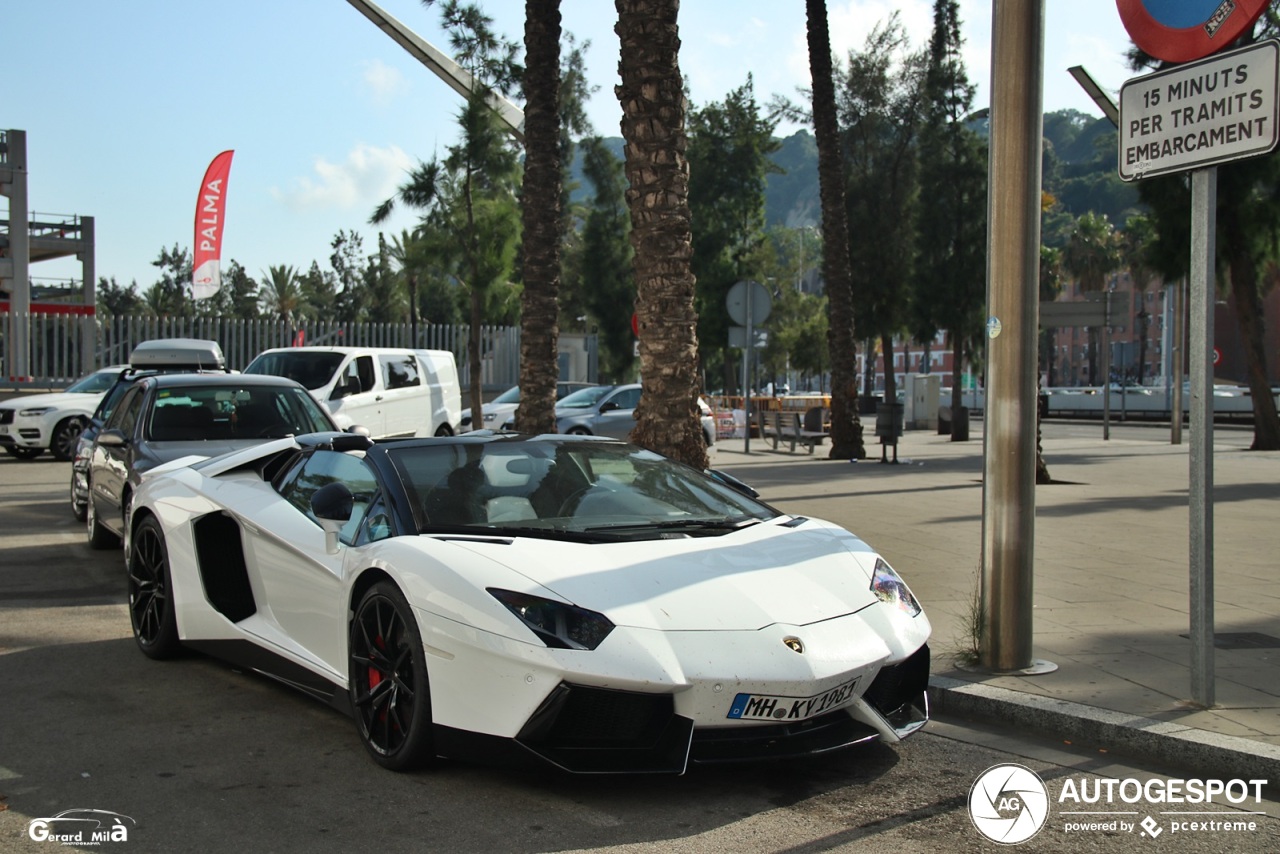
65,348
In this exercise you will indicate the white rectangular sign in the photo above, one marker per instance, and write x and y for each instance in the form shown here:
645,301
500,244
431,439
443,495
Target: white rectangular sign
1200,113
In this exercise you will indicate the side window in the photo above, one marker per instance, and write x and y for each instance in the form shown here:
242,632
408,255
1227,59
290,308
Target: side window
628,399
377,524
126,414
399,371
325,467
364,368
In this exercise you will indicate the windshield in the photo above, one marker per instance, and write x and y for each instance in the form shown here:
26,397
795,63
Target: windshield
312,369
511,395
604,489
229,412
95,383
584,398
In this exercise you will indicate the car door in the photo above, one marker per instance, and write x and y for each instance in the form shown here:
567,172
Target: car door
109,463
406,407
302,583
358,395
616,414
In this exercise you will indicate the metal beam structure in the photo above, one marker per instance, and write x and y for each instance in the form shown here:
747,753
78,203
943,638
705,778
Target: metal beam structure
458,78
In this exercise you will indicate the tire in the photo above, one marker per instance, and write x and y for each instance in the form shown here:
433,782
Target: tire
388,681
62,444
23,453
99,537
579,431
151,612
79,509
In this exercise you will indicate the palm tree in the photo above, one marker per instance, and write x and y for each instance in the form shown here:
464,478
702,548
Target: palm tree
281,292
846,430
1092,253
653,124
405,250
539,332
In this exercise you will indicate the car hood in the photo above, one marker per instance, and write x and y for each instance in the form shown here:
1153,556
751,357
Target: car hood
158,453
59,400
744,580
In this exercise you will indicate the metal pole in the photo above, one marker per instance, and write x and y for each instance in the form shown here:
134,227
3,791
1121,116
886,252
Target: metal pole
1179,348
1106,367
1204,203
746,376
1013,259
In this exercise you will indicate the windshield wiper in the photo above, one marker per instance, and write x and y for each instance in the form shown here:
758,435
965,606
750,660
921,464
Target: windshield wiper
727,524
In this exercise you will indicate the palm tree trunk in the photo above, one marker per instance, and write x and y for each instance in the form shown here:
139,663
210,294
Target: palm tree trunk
539,331
653,124
1248,307
846,430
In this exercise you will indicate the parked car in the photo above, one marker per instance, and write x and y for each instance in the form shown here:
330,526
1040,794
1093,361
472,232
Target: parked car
502,409
611,411
172,416
576,602
161,355
34,423
388,391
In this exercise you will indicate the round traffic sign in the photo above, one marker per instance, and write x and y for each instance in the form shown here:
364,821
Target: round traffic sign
749,303
1183,30
1217,357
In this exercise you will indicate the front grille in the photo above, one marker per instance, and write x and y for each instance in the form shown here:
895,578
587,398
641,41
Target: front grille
824,733
899,684
599,731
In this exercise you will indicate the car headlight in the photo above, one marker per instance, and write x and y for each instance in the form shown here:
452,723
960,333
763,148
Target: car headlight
891,589
556,624
35,411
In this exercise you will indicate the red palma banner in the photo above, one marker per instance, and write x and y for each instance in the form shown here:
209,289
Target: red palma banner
211,205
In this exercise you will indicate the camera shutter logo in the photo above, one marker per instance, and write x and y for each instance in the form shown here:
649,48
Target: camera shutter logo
1008,804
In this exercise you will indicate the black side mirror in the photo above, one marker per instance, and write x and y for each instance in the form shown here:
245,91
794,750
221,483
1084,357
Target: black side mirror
333,502
608,406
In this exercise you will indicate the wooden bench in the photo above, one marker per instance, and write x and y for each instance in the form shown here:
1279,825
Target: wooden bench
788,427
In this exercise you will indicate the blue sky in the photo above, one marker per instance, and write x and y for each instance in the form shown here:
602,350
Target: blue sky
125,104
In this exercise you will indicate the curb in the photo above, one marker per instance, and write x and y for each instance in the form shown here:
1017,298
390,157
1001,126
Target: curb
1169,744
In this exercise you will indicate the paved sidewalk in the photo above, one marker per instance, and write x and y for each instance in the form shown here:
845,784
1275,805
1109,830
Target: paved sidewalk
1111,564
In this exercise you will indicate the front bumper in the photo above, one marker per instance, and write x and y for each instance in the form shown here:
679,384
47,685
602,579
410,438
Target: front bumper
25,433
656,709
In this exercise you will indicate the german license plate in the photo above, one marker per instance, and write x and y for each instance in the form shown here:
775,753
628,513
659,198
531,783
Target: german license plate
767,707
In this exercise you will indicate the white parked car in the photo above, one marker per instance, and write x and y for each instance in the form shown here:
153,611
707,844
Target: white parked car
576,602
35,423
502,409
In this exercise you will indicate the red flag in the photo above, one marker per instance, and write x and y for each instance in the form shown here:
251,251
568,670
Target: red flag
211,205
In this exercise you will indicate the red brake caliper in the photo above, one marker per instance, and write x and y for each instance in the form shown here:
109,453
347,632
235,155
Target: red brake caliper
375,675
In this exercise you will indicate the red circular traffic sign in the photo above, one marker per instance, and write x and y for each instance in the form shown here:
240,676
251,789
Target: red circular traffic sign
1183,30
635,324
1217,357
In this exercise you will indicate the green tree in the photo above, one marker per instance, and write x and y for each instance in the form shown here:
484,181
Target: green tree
470,215
846,430
1092,254
116,300
730,144
651,93
881,105
319,293
347,261
167,296
281,293
607,273
950,272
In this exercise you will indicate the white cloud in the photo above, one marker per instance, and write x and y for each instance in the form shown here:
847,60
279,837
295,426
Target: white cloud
383,81
364,179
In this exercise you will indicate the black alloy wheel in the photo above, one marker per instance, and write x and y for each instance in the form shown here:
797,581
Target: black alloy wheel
388,680
155,625
65,437
100,536
79,508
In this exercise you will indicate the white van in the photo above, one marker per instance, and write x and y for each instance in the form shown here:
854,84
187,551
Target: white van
389,391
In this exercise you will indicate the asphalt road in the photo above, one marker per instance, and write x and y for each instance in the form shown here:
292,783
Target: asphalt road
207,758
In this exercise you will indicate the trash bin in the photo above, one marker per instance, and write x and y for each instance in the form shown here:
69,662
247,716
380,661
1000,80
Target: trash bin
944,420
889,422
867,403
960,425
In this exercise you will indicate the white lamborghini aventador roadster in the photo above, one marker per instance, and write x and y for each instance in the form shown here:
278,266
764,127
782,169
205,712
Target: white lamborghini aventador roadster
559,599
